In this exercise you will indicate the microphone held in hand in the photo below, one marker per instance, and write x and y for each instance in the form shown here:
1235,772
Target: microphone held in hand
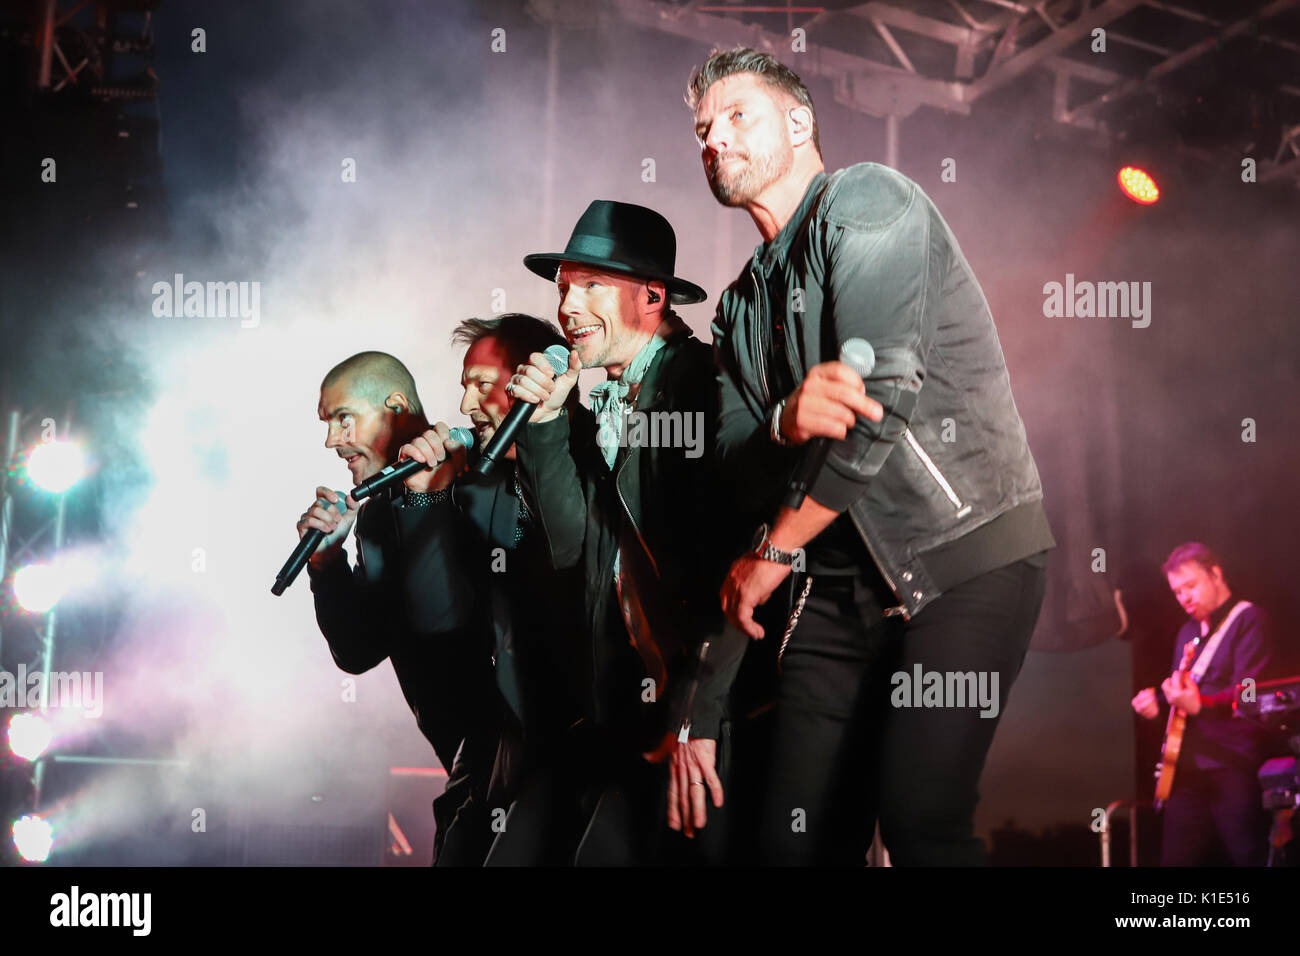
396,472
519,413
401,470
307,545
858,355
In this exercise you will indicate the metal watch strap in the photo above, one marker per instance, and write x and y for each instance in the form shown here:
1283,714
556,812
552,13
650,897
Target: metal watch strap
765,550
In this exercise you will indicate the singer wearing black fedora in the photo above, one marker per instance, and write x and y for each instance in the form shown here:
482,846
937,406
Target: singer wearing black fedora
641,519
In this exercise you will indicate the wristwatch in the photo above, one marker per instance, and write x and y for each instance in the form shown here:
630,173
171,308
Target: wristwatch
765,550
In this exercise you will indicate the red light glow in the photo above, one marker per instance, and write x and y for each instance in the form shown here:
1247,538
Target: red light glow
1138,186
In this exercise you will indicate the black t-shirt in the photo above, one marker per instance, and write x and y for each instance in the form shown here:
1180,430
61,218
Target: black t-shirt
839,550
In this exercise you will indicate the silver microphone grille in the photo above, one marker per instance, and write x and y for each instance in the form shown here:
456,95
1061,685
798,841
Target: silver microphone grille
858,355
558,356
463,436
341,504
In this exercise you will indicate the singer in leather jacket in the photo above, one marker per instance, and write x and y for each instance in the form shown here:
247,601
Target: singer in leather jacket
924,532
944,488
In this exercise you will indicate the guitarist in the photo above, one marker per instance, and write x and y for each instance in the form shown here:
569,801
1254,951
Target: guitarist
1213,813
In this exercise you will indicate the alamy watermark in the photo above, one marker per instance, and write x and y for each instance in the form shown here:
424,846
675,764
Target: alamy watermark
208,300
657,430
952,689
79,690
1100,300
127,910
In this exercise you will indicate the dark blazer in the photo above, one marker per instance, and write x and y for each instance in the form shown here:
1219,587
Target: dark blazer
659,504
410,598
534,616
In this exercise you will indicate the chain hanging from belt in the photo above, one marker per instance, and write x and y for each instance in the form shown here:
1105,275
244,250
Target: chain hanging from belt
794,620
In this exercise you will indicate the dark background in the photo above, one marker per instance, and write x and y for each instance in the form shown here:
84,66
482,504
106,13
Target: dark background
204,433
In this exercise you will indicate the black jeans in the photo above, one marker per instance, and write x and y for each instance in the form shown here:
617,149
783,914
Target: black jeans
1214,818
844,749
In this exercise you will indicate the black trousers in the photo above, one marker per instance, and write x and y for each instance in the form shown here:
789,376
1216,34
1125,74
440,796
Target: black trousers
462,813
480,785
595,802
842,754
1214,818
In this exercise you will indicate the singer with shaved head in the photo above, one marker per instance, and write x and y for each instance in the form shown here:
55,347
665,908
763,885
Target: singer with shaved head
404,600
856,352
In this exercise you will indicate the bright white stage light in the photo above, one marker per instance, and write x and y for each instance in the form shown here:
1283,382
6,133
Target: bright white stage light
29,735
33,838
56,466
39,587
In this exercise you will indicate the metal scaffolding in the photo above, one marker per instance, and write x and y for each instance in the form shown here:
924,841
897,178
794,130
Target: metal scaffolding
950,54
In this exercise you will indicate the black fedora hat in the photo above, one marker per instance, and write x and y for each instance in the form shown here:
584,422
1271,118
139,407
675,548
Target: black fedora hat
622,237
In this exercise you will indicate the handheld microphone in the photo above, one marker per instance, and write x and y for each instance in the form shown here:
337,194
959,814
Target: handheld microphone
401,470
398,471
519,413
858,355
307,545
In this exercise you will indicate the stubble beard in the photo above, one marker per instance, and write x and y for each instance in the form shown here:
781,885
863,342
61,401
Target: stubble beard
604,359
754,175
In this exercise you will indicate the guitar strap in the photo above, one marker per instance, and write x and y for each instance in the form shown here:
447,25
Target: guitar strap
1203,660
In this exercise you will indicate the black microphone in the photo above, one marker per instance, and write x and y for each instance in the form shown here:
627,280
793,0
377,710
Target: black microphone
398,471
401,470
858,355
307,545
519,413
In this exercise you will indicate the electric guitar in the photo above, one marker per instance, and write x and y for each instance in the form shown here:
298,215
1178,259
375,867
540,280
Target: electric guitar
1174,728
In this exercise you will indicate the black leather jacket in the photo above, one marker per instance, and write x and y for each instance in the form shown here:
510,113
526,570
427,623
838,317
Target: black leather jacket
944,488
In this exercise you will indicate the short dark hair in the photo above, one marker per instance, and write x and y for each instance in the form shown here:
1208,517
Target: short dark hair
1189,552
742,59
520,334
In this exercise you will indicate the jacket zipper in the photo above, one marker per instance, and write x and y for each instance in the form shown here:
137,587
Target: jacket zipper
902,605
758,346
762,379
936,474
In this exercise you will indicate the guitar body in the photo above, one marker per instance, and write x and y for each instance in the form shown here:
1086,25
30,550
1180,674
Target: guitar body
1174,728
1173,744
